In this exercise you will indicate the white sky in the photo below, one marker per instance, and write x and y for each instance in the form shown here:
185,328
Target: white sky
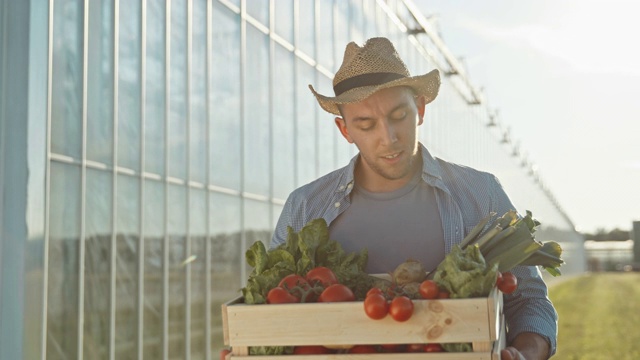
565,77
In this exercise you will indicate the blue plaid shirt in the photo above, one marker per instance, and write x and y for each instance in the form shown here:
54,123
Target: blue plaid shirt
464,196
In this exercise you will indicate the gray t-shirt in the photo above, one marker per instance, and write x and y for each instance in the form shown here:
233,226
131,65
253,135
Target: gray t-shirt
393,226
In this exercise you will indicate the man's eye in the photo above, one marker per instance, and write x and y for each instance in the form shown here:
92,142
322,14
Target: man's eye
399,116
366,126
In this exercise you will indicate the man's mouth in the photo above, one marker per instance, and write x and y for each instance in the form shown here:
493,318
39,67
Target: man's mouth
392,156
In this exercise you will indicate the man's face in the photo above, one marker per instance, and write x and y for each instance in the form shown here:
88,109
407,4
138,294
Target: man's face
384,128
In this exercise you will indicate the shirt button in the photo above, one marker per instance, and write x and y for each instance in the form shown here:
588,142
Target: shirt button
337,204
350,186
341,187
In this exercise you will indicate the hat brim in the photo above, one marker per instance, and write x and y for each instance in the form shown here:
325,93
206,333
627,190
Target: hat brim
426,85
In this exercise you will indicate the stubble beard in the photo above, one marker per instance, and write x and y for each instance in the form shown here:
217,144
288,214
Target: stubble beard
395,173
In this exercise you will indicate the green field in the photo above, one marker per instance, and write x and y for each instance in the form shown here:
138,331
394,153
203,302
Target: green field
599,316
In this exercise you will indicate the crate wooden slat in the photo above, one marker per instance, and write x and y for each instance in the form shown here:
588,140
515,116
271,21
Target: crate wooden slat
493,354
477,321
403,356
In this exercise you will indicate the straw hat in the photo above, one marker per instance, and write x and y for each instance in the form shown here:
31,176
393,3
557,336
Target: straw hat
374,66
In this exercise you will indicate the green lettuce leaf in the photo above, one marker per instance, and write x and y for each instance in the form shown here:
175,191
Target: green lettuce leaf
313,235
302,251
457,347
464,273
270,350
257,257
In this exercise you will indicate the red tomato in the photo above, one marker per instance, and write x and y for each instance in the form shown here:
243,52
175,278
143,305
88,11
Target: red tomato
278,295
296,285
322,275
509,283
390,348
499,278
290,281
415,348
433,348
311,349
363,349
376,306
443,295
336,293
429,289
401,308
224,353
375,291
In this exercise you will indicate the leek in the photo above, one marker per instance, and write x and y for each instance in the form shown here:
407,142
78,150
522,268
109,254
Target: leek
510,242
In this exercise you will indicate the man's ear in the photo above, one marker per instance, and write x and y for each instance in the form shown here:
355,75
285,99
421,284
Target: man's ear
421,103
342,126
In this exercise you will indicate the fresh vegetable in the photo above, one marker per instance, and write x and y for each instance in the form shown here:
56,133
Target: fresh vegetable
363,349
292,281
510,241
390,348
413,348
279,295
410,271
270,350
336,293
297,286
376,306
411,290
433,347
311,349
301,254
375,290
303,251
481,260
429,289
464,273
268,269
508,283
549,257
457,347
401,308
321,275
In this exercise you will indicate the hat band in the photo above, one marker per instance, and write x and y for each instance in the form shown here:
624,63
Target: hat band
365,80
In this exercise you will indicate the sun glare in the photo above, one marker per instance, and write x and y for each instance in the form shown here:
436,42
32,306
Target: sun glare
587,36
596,36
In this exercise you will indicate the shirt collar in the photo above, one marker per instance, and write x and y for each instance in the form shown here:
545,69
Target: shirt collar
431,171
346,180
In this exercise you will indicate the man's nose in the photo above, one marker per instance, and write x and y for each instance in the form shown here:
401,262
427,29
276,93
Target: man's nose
389,133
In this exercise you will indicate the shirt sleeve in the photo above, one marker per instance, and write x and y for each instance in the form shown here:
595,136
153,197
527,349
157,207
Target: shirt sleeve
280,232
529,308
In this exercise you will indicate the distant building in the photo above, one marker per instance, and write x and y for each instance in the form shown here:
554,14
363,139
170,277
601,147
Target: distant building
144,145
609,255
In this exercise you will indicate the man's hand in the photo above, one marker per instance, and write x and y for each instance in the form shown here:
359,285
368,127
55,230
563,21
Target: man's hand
511,353
526,346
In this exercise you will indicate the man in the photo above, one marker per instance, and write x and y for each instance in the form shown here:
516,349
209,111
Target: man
397,200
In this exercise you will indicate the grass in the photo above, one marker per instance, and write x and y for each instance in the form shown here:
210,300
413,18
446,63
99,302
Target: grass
599,316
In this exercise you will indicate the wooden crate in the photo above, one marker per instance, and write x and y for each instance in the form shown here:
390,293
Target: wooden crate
478,321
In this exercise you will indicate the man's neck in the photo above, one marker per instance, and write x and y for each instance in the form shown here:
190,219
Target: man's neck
369,180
